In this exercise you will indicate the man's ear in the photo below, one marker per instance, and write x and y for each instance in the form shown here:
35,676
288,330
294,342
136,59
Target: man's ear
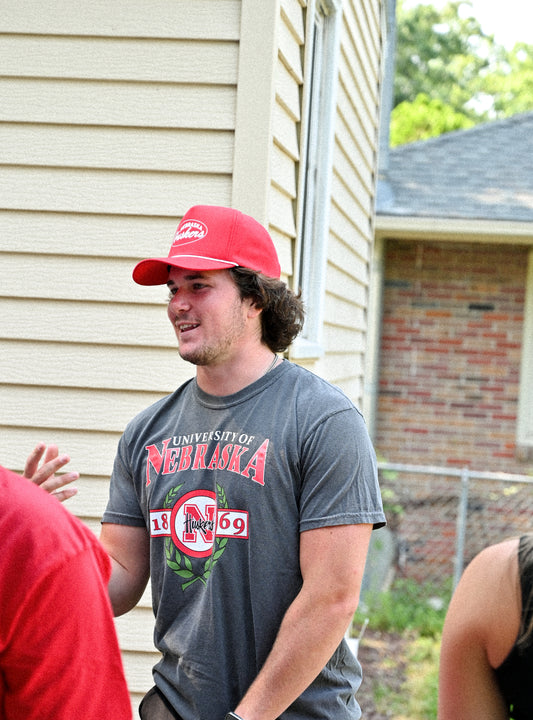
253,309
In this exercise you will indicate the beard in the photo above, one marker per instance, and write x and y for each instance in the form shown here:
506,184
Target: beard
220,349
200,356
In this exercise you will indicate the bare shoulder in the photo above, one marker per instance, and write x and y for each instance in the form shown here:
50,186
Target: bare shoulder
497,554
495,566
480,629
487,604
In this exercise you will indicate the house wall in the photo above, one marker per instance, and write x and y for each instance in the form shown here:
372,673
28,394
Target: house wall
350,237
449,375
115,118
450,354
286,128
352,191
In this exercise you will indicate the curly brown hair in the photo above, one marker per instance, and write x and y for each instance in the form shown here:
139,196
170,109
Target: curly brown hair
282,316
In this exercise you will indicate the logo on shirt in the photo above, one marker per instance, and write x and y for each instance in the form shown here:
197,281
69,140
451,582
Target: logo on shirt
196,525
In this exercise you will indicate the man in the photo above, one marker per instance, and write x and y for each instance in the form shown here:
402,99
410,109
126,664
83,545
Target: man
59,655
248,495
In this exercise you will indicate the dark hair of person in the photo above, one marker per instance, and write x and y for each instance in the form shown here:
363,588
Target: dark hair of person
282,314
526,563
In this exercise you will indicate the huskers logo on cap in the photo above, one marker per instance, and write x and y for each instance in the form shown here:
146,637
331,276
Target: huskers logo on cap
190,231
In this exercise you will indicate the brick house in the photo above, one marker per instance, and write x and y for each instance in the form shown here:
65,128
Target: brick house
452,383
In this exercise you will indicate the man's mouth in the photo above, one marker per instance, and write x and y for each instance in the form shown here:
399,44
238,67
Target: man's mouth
185,327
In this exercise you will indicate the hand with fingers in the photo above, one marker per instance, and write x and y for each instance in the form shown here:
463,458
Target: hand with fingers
45,474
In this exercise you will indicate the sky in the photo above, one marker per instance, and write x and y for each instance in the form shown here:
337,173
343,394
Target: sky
510,21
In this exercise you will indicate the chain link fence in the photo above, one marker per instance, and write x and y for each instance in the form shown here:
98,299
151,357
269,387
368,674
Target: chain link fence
440,517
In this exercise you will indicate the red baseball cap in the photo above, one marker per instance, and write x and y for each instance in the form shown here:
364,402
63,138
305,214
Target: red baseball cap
211,237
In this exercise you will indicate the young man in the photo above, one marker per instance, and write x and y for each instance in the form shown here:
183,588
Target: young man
59,655
248,496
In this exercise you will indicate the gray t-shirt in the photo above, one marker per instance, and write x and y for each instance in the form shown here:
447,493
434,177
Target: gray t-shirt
225,486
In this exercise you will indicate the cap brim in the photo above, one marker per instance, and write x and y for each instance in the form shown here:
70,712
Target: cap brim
154,271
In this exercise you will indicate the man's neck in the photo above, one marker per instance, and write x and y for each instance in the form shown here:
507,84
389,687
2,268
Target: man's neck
232,376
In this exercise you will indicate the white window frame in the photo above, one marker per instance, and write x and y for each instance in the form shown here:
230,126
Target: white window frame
318,126
524,428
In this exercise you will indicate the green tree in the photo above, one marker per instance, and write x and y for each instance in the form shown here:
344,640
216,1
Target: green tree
439,54
424,118
508,83
450,74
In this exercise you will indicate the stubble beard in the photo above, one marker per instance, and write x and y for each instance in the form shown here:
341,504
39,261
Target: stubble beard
202,356
210,354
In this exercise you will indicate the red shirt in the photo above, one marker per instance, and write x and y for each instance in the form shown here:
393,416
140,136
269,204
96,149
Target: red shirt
59,655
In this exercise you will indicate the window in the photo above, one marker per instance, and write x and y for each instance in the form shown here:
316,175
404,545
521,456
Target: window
524,440
315,171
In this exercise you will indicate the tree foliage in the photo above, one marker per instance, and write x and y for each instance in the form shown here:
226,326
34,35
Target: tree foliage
510,84
451,75
423,118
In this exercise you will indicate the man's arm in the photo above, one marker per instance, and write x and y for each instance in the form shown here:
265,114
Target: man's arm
332,561
129,550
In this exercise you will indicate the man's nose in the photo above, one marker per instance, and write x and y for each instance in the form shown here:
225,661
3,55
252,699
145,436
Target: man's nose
180,301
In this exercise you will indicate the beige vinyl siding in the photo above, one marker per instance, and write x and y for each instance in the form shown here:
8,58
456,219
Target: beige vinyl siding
114,119
285,128
353,177
197,19
254,102
352,198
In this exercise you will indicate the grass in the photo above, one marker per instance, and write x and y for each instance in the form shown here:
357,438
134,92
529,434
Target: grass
421,685
417,698
407,606
416,612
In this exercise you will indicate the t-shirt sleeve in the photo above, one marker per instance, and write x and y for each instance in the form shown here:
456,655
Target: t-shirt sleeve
123,507
340,480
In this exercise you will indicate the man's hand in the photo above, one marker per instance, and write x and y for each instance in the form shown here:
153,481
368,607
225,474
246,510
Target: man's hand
45,474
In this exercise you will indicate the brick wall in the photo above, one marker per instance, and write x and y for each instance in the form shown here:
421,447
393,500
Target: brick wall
450,354
449,380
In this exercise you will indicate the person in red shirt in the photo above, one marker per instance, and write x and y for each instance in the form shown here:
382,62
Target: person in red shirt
59,654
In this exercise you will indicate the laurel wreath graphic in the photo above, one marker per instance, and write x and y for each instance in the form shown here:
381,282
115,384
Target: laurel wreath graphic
181,563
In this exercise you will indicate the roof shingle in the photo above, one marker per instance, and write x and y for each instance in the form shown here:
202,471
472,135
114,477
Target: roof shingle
483,173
